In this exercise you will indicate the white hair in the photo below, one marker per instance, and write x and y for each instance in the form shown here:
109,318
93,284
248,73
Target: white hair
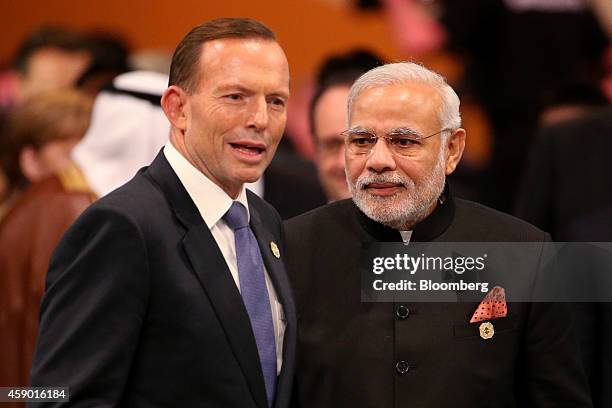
400,72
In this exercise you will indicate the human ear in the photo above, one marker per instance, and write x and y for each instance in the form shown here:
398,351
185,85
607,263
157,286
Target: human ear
455,144
30,164
175,106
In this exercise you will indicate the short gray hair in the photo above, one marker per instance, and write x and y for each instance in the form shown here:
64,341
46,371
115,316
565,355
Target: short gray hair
400,72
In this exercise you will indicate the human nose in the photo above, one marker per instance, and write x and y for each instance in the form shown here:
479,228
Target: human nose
381,158
258,114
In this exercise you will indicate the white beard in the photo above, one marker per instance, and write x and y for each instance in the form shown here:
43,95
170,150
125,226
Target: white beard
403,210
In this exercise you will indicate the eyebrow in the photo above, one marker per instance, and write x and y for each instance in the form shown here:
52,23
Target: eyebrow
360,129
405,131
225,88
283,95
395,131
243,89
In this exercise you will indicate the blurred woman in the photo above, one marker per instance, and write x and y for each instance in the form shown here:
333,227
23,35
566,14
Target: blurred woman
40,135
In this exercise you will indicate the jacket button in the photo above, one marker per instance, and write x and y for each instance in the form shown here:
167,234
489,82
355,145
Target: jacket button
402,312
402,367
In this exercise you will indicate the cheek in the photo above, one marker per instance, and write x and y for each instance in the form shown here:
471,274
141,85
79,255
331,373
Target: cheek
56,154
212,118
326,164
199,145
418,168
277,126
354,167
337,162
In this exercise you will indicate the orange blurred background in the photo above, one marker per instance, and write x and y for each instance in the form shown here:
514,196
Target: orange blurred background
309,30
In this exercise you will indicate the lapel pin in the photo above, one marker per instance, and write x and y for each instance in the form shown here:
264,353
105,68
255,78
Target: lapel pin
486,330
274,249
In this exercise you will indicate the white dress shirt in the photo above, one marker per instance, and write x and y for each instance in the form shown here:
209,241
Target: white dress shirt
406,235
212,203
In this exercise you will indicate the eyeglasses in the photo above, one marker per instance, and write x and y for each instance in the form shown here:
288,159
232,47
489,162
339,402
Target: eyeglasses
402,141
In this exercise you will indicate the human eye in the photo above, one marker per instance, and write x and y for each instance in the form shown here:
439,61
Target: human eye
234,97
361,139
277,102
403,141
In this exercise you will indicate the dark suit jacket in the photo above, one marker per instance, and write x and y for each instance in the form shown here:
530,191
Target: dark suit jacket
596,318
566,183
141,310
350,354
291,184
568,174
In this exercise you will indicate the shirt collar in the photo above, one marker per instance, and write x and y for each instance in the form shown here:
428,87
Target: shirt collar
210,199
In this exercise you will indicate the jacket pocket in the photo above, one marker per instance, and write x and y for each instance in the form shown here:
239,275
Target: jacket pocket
500,325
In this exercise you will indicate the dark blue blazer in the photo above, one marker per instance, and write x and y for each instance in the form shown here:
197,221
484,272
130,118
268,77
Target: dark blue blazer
141,310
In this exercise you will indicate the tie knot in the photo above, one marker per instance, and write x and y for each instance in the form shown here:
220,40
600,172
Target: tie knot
236,217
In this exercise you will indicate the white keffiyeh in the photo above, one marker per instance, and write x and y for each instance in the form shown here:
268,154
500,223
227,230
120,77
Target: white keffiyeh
125,134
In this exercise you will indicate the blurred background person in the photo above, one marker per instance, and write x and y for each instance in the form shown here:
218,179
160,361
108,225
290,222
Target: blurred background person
126,132
109,58
571,101
595,319
4,182
54,57
151,60
327,116
289,183
512,54
40,134
566,191
50,58
128,128
47,64
517,52
568,174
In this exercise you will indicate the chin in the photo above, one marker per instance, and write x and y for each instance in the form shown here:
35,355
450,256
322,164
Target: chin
250,176
396,211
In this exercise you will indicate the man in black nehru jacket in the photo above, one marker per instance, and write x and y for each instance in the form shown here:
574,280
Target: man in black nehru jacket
404,137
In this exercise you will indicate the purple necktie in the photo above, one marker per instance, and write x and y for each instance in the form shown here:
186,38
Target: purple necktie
254,293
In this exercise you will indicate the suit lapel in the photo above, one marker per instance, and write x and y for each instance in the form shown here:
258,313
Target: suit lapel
213,273
217,282
275,266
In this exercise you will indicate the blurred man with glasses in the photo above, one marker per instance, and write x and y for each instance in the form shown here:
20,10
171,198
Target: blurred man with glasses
404,138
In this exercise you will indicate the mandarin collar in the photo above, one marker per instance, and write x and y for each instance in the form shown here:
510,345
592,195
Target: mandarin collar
428,229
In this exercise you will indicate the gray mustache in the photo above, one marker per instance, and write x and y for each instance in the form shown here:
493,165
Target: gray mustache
363,181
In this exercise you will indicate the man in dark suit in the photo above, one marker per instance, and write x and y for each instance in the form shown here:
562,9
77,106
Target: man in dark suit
562,183
171,290
595,319
566,191
554,193
368,354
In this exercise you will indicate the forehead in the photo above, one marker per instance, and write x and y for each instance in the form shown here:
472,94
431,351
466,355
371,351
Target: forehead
54,66
334,97
404,104
245,62
330,110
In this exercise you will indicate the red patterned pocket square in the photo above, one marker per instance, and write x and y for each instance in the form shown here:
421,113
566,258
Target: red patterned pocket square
492,306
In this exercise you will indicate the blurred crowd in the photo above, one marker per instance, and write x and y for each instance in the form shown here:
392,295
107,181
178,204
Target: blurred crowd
80,114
